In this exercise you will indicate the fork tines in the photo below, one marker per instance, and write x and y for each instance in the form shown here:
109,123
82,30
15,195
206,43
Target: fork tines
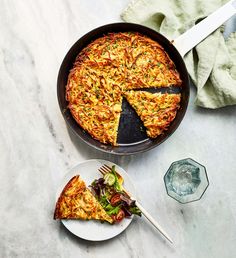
104,169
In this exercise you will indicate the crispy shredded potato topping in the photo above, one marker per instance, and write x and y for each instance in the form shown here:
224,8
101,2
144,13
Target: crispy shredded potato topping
77,202
105,70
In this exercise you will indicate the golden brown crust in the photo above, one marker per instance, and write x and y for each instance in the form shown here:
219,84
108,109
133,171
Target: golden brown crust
105,70
100,121
77,202
156,110
73,187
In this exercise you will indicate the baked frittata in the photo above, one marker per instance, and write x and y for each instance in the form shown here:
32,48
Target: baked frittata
156,110
77,202
105,70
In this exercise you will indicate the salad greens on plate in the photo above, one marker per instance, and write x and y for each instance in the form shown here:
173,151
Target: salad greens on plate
109,191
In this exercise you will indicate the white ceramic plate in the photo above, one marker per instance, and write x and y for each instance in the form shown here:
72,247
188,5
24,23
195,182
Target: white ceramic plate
95,230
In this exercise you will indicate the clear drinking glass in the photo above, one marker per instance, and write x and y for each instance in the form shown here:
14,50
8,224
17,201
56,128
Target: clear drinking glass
186,180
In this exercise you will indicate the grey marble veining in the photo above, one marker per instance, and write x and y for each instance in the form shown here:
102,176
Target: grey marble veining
37,149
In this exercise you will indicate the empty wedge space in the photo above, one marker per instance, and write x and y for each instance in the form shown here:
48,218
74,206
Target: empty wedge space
131,129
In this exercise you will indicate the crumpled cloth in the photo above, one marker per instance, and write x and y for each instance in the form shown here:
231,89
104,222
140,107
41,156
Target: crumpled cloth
212,63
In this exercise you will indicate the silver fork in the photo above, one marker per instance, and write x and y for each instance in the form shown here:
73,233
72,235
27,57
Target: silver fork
106,169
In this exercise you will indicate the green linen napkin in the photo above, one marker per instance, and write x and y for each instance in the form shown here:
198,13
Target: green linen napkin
212,63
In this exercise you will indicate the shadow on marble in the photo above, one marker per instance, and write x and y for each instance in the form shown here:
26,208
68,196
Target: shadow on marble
65,232
89,152
223,111
139,227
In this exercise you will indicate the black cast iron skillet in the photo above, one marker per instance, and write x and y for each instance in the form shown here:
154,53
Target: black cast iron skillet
132,137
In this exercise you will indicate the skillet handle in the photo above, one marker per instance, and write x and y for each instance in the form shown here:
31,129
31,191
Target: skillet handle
197,33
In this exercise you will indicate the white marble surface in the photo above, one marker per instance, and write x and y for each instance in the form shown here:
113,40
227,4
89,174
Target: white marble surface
36,149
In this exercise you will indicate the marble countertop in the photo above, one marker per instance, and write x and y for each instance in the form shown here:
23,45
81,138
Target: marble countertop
36,150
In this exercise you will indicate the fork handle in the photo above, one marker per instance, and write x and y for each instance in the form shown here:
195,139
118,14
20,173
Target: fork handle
153,221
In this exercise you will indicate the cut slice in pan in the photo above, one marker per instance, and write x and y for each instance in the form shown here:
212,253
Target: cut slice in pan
77,202
156,110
